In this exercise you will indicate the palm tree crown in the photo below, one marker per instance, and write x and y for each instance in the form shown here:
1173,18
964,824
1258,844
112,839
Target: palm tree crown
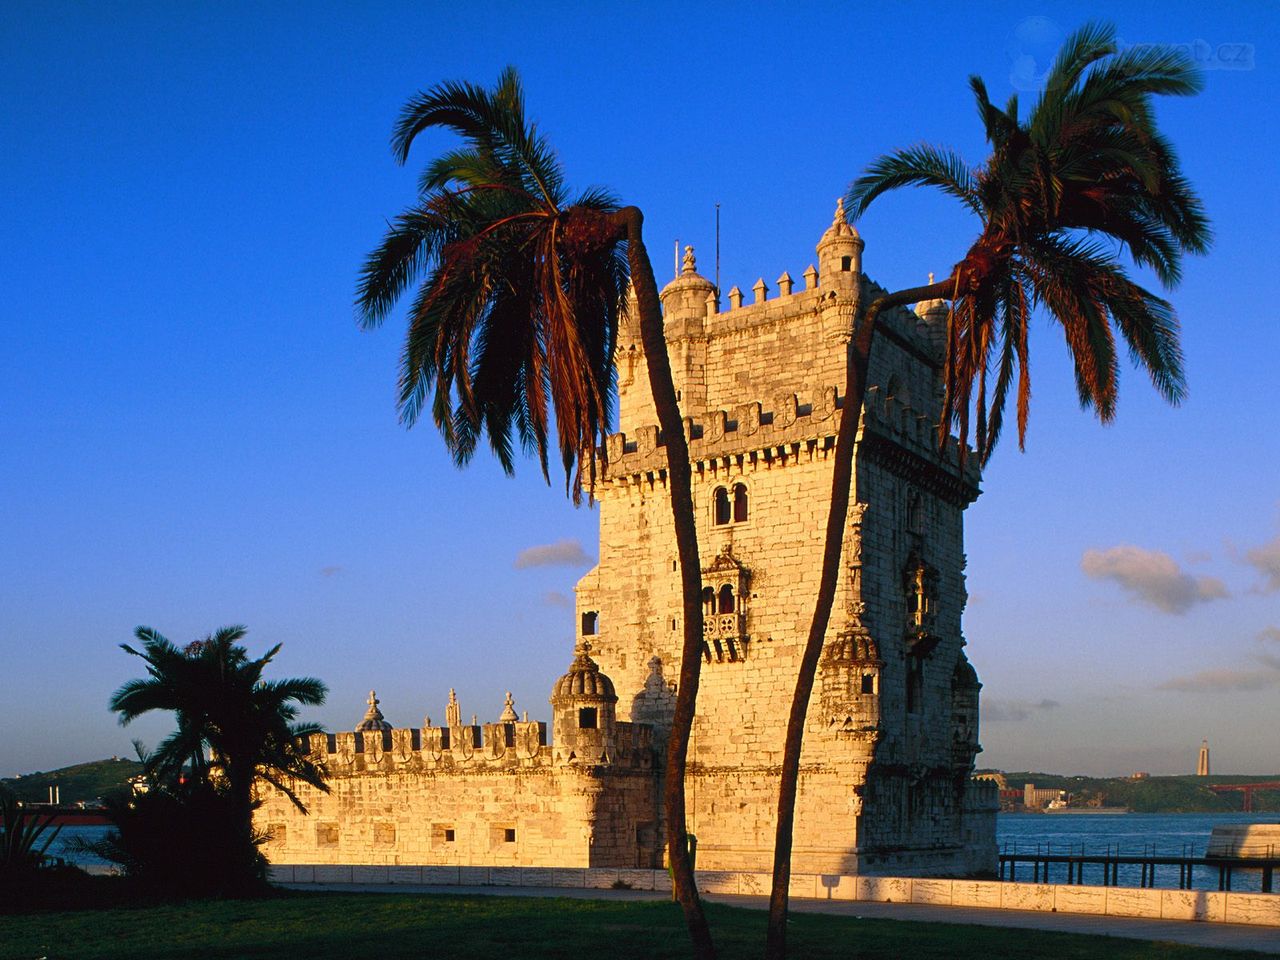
521,285
228,716
1086,171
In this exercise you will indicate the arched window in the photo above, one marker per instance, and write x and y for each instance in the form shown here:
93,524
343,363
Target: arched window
726,599
739,502
708,601
721,506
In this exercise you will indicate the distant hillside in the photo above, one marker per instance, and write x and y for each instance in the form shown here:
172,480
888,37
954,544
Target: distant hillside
83,781
1188,794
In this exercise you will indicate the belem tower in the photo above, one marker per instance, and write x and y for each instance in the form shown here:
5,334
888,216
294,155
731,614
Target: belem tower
885,785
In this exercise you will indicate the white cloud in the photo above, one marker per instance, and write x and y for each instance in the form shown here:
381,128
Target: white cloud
1266,560
1224,681
1152,577
554,598
331,570
565,553
1014,711
1269,635
1261,672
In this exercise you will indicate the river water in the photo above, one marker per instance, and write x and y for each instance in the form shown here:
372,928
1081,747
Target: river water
1168,834
1172,834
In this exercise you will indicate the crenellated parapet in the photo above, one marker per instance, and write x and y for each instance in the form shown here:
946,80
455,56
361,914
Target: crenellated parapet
587,735
790,428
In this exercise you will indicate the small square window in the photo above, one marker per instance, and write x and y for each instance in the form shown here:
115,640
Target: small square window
509,835
587,718
448,835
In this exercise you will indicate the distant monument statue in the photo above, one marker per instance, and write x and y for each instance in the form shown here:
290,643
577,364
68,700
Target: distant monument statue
1202,762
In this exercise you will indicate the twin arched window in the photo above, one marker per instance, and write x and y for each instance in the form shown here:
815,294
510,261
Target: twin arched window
730,506
723,601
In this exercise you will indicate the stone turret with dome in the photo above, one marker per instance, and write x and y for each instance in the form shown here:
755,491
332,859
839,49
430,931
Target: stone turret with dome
374,721
840,253
583,705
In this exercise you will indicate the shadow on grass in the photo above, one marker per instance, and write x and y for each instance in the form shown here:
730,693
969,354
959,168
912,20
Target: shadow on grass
321,926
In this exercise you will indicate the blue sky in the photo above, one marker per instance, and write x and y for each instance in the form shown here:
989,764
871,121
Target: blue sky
195,433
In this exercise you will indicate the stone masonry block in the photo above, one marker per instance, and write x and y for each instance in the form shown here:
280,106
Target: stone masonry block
473,876
280,873
804,885
1260,908
755,884
405,874
717,881
537,877
884,889
333,873
1026,896
304,873
370,874
837,887
440,876
975,893
569,877
931,891
506,876
601,878
1080,899
1193,905
1133,902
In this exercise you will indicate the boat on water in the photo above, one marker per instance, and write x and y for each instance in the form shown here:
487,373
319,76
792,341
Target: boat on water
1061,806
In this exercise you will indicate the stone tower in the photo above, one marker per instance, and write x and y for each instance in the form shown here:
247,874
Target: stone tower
1202,761
893,723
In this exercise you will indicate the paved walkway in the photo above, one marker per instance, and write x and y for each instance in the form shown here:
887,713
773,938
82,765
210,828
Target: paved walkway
1230,936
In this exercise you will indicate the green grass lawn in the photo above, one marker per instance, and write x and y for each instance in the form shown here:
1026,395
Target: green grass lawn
319,926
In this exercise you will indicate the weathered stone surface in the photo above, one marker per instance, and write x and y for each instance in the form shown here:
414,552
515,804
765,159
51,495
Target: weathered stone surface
1133,902
332,874
1261,908
1193,905
1080,899
837,888
931,891
885,889
442,876
976,893
1026,896
755,884
404,874
717,881
804,885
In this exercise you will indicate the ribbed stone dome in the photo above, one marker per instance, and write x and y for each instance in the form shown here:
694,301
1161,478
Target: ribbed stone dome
584,681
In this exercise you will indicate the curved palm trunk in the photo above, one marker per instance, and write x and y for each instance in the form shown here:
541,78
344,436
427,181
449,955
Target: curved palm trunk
855,391
679,484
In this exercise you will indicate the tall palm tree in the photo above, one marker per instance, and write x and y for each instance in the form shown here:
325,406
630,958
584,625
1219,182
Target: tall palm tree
233,727
1086,173
520,288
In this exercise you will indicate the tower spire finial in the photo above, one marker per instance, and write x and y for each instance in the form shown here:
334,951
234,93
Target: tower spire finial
839,218
690,265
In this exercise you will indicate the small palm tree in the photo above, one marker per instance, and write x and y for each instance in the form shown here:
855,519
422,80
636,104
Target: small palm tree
512,328
233,727
1085,173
